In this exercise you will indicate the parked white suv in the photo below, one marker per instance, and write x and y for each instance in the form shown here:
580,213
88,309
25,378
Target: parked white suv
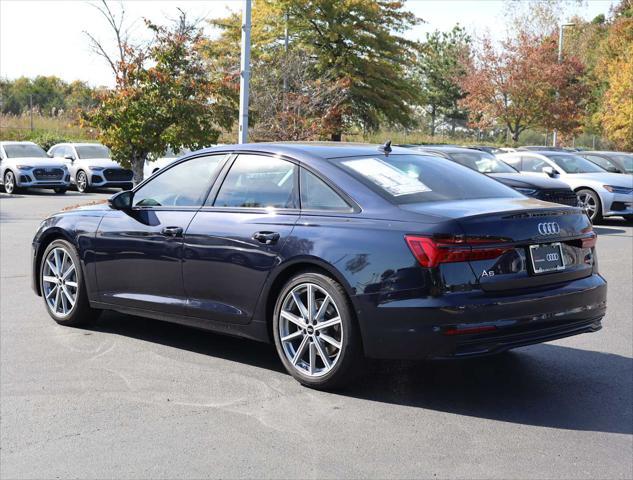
169,156
26,165
91,166
602,194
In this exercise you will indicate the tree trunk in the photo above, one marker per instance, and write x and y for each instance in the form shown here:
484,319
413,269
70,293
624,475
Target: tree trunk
137,163
515,135
433,115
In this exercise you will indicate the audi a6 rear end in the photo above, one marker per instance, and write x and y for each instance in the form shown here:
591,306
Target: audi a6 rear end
330,252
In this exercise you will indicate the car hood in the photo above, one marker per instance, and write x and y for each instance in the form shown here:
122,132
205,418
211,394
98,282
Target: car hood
606,178
100,162
37,162
522,181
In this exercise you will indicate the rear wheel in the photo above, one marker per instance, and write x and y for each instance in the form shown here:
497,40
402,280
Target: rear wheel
315,333
63,287
82,182
10,184
590,201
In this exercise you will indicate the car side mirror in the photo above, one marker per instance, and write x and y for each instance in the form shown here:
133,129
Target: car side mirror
122,200
550,171
69,157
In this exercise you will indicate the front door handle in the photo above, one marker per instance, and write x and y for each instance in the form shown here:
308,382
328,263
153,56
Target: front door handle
172,231
267,238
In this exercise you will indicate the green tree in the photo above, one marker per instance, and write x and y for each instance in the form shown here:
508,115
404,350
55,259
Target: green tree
164,98
440,66
355,47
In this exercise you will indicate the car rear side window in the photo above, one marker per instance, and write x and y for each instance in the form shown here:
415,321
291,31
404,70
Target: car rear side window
533,164
184,185
317,195
259,181
421,178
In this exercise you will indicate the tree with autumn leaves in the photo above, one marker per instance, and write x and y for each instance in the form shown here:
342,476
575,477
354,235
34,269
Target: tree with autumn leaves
522,85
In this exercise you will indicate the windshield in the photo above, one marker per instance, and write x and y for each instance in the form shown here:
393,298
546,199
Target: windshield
169,153
420,178
22,150
627,161
92,151
574,164
482,162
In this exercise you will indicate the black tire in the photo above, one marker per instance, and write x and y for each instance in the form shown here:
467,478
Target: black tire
628,218
60,191
592,196
348,361
81,313
81,180
10,183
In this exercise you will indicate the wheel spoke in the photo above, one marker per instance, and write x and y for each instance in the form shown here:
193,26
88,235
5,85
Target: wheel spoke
300,350
57,261
292,336
49,279
57,295
299,322
328,323
322,354
300,306
52,267
68,271
310,296
53,290
312,358
71,284
68,296
330,340
322,308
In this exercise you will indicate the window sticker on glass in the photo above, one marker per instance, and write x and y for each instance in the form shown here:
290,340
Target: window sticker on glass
388,177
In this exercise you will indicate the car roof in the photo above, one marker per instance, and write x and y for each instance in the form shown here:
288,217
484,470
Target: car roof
17,142
607,152
323,150
448,149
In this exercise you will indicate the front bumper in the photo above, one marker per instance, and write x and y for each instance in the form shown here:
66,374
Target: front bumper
98,180
616,204
487,323
27,180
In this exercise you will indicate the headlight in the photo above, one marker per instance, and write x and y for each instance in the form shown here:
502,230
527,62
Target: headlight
526,191
622,190
95,168
24,167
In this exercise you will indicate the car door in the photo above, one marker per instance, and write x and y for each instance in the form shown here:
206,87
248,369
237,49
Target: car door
139,252
237,237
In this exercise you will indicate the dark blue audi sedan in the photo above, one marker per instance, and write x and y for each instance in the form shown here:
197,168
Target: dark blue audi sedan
330,251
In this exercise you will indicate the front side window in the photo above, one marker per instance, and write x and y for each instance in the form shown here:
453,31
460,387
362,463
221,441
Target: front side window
183,185
23,150
92,151
482,162
257,181
317,195
419,178
573,163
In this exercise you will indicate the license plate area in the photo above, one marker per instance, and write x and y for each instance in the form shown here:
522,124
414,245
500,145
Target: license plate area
547,257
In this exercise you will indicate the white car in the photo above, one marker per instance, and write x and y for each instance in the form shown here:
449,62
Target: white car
602,194
26,165
169,156
91,166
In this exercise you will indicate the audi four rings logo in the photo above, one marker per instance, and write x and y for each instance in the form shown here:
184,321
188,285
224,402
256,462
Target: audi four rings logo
552,257
548,228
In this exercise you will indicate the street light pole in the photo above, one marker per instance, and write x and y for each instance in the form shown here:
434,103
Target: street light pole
561,29
245,71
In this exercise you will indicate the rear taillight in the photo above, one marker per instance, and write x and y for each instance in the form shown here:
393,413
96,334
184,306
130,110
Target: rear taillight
590,241
430,252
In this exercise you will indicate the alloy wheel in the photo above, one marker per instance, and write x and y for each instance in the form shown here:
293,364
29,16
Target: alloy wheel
588,202
82,182
59,282
310,330
9,182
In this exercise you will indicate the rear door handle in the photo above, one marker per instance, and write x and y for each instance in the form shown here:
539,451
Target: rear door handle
172,231
267,238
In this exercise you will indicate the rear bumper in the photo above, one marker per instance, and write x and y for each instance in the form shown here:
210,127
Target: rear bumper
425,327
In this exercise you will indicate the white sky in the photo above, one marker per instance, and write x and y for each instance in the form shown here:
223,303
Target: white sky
45,37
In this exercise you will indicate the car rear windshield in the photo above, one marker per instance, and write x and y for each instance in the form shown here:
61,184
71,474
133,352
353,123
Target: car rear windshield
482,162
421,178
92,151
22,150
573,163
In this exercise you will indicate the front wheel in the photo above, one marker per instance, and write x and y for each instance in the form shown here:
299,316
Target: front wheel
10,184
82,182
60,191
63,287
590,201
315,333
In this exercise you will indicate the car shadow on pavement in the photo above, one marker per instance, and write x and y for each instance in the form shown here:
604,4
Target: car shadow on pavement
542,385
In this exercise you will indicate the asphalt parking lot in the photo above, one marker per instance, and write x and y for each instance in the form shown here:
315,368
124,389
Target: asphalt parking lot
136,398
